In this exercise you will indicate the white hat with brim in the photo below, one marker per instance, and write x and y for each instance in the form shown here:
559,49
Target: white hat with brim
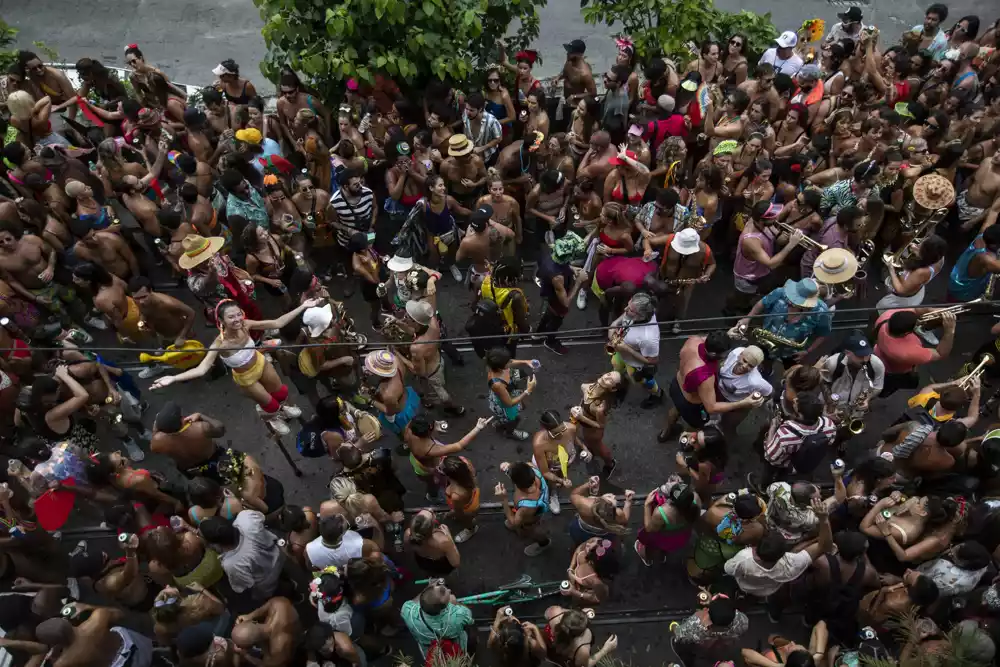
317,319
199,249
398,264
220,70
803,293
686,241
835,266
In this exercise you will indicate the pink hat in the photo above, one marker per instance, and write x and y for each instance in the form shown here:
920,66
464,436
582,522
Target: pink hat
635,130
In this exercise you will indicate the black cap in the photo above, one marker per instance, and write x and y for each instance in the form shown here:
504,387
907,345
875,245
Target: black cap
857,344
853,15
575,47
481,216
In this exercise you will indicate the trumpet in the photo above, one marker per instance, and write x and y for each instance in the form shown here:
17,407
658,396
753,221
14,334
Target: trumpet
934,315
966,382
806,241
617,336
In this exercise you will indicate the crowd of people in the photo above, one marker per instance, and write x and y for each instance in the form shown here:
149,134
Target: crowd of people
796,167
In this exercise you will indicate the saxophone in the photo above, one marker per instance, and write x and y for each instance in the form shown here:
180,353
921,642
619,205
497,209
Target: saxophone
771,341
857,424
396,333
617,336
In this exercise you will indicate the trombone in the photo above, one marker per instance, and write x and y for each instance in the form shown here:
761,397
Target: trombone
806,240
934,315
966,381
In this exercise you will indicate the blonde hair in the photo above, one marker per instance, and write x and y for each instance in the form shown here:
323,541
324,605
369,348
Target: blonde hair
21,104
345,492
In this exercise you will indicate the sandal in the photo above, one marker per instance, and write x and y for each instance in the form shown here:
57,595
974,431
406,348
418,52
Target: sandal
638,550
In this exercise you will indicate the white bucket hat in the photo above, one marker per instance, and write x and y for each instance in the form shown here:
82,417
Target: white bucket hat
686,241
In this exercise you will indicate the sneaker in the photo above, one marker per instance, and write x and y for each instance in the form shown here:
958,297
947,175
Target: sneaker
439,498
675,328
81,548
536,549
652,400
638,551
581,299
134,452
274,422
454,410
554,503
556,347
456,273
150,372
290,411
609,469
465,535
77,337
519,435
95,323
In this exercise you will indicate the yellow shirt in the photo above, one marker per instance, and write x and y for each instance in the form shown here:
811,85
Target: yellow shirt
934,411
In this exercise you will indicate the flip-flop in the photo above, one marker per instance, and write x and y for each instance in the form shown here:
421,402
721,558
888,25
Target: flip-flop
638,552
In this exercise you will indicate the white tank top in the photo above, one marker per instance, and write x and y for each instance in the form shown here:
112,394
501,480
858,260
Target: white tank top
321,555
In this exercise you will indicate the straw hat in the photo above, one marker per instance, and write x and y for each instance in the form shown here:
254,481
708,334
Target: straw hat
198,249
459,145
835,266
933,191
382,363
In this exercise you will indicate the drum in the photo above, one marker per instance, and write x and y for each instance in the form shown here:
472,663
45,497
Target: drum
368,423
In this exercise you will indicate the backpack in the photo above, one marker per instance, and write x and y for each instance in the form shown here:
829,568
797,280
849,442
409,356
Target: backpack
811,452
309,441
486,319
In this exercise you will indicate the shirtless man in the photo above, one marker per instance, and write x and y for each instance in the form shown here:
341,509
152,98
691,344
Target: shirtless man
553,451
596,164
506,212
521,162
291,100
974,203
116,580
105,249
96,642
441,132
763,88
189,441
110,298
167,318
198,212
384,381
578,79
197,646
464,171
131,191
426,452
39,219
693,387
274,629
477,245
425,357
28,266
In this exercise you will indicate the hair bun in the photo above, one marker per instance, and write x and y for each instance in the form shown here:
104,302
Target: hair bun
131,46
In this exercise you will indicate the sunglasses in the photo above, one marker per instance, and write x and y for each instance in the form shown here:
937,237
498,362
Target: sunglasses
288,92
736,42
131,61
493,80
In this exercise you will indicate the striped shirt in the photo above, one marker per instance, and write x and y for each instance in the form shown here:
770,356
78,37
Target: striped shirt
356,215
489,129
778,451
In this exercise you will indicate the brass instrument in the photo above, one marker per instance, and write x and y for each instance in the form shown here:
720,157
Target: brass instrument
990,285
914,214
857,424
617,336
695,222
397,333
898,259
865,251
966,382
806,241
958,309
768,340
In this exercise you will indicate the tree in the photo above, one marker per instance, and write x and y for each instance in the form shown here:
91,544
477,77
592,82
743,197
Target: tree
675,28
410,41
8,55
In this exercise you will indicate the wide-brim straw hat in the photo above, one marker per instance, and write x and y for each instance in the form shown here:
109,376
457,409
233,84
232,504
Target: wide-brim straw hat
933,191
199,249
835,266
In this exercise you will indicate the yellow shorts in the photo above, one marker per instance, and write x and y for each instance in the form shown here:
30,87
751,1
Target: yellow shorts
252,375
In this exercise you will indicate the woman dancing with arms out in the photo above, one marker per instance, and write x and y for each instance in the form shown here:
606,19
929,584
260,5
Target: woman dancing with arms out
252,372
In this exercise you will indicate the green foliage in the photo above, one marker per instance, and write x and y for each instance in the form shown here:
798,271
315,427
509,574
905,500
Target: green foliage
8,55
669,28
410,41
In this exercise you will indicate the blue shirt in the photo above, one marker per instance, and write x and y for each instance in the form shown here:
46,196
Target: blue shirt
962,286
939,44
812,324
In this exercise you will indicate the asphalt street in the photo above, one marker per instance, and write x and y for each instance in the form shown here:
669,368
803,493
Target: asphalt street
186,38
